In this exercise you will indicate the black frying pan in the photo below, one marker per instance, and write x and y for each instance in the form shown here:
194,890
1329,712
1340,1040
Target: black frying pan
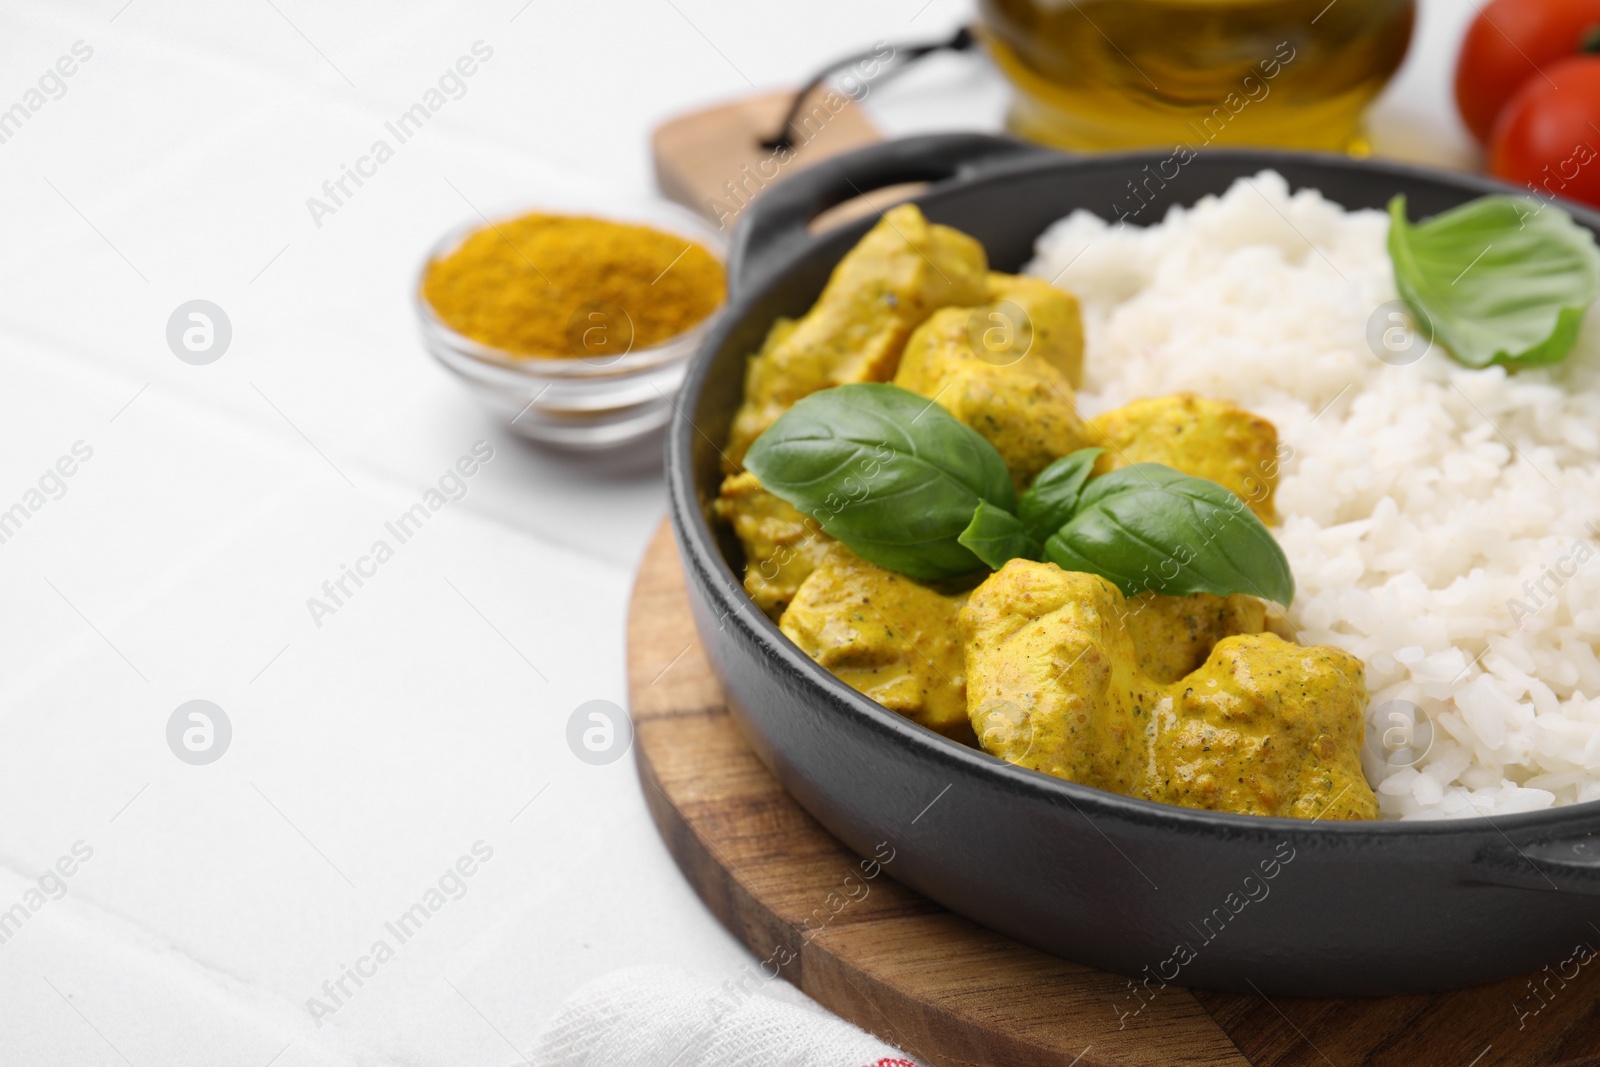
1163,894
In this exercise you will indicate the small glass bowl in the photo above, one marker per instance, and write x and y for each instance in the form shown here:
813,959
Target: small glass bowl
575,402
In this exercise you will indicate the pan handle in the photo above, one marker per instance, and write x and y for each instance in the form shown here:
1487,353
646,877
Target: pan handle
773,227
1562,864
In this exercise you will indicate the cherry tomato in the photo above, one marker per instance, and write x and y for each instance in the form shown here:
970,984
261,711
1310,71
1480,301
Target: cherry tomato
1509,42
1548,134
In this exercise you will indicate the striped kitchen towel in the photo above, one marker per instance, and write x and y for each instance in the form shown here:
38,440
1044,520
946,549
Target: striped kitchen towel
670,1017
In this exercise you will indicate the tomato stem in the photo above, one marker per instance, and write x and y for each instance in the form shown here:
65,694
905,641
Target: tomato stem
1590,41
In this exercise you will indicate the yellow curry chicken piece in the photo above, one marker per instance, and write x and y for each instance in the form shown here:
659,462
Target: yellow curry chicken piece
892,638
1266,727
1263,726
781,546
902,271
1173,635
1053,681
1209,439
1003,369
1053,316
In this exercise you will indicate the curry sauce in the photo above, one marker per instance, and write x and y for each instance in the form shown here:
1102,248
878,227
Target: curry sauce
1184,700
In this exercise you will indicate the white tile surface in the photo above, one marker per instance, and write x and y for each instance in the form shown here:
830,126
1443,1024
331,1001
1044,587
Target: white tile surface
371,752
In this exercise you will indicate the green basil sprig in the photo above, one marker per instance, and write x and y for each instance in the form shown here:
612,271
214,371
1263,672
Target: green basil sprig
995,535
1052,499
906,486
890,473
1501,279
1150,527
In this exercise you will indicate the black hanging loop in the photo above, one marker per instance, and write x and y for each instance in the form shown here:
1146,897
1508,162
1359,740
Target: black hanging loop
962,40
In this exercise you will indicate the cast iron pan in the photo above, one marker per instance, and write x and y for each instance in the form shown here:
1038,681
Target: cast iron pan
1162,894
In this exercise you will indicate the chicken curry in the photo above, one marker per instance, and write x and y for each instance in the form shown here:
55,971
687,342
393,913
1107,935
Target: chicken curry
1200,700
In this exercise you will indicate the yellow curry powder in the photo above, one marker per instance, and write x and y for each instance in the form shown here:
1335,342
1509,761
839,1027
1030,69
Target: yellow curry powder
569,286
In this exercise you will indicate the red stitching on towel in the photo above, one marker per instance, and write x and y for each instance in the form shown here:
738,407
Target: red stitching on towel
896,1062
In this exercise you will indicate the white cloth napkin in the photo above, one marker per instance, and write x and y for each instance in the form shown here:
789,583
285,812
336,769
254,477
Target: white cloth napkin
670,1017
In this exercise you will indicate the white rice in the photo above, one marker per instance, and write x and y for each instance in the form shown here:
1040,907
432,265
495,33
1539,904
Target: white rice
1418,500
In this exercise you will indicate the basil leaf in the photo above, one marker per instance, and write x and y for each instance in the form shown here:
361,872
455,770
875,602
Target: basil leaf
1500,280
1150,527
890,473
1052,498
906,486
995,535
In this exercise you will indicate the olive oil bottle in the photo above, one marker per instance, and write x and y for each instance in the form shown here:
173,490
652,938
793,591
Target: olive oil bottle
1107,74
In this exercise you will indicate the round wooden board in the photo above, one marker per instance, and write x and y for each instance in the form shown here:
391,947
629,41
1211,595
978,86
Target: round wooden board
953,993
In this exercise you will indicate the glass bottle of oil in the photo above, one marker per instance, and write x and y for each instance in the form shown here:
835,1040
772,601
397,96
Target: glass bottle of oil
1106,74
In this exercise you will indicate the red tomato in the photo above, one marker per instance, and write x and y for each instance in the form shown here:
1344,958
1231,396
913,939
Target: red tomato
1548,135
1509,42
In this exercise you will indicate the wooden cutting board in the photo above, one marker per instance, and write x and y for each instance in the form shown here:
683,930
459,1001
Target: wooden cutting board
951,992
713,161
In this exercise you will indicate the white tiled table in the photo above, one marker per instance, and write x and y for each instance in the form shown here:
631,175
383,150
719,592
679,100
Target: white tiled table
372,751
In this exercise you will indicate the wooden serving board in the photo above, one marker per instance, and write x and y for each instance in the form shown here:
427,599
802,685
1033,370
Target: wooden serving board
951,992
713,162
